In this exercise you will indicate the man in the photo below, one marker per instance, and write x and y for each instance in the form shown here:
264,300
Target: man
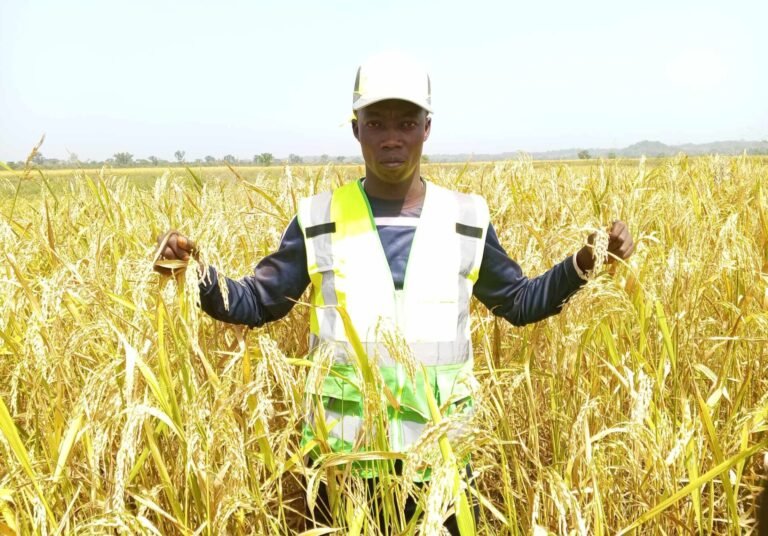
395,252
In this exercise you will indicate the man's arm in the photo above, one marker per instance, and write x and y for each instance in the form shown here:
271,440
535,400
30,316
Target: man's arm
269,294
266,296
508,293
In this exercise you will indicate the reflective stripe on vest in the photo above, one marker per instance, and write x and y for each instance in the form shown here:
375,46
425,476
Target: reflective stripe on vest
347,266
341,426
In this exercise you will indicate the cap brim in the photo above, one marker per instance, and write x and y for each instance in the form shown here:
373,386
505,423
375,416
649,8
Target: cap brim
362,103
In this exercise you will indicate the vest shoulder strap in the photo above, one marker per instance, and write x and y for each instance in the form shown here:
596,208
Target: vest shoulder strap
314,214
471,211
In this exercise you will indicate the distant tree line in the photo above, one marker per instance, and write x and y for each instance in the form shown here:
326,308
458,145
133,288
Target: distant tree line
126,159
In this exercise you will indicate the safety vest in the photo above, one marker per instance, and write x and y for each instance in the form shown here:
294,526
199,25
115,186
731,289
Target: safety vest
347,266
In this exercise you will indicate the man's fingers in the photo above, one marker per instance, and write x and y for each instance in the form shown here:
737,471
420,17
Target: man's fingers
179,253
623,253
163,238
618,228
181,241
623,240
173,247
185,243
619,234
179,247
620,243
171,254
170,259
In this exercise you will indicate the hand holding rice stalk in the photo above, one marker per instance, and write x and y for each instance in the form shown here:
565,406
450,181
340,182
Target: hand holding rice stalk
605,247
173,252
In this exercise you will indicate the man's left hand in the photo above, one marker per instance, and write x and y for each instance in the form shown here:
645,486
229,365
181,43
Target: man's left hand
620,243
620,246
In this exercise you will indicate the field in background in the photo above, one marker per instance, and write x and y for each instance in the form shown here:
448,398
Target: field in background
642,406
145,176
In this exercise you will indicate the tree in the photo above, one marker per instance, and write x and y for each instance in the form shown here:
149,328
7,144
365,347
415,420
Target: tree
209,159
295,159
123,159
179,155
38,159
584,155
73,159
153,160
339,159
324,159
425,159
612,155
229,159
263,159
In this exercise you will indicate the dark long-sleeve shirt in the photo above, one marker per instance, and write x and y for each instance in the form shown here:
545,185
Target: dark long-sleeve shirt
282,276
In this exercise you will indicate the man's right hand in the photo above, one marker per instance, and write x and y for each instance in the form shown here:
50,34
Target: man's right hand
173,252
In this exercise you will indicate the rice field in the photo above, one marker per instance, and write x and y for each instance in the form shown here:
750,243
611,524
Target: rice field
641,409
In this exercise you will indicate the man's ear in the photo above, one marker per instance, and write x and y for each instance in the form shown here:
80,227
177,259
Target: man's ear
427,127
355,130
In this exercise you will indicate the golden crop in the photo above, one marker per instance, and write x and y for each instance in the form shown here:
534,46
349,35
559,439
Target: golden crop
640,407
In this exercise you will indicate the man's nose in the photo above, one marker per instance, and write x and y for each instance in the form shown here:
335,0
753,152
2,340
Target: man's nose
392,139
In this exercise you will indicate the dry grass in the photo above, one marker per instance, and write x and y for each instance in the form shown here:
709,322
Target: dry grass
123,408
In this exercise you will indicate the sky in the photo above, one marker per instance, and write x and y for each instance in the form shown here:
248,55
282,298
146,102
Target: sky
242,78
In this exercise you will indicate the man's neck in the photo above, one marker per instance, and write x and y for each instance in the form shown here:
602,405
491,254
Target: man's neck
409,190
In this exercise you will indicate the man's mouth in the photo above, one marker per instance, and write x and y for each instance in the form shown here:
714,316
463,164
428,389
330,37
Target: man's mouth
393,163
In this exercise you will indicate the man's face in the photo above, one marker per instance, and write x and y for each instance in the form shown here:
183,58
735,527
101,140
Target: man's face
391,135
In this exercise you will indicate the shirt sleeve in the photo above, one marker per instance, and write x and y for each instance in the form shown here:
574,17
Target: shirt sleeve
268,294
508,293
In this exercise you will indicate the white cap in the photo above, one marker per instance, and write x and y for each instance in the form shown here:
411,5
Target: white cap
391,75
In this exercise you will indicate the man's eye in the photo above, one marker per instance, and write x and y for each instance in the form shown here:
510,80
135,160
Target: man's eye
373,124
410,124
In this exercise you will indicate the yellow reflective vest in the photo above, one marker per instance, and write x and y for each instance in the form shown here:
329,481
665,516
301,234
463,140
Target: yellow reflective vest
347,267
